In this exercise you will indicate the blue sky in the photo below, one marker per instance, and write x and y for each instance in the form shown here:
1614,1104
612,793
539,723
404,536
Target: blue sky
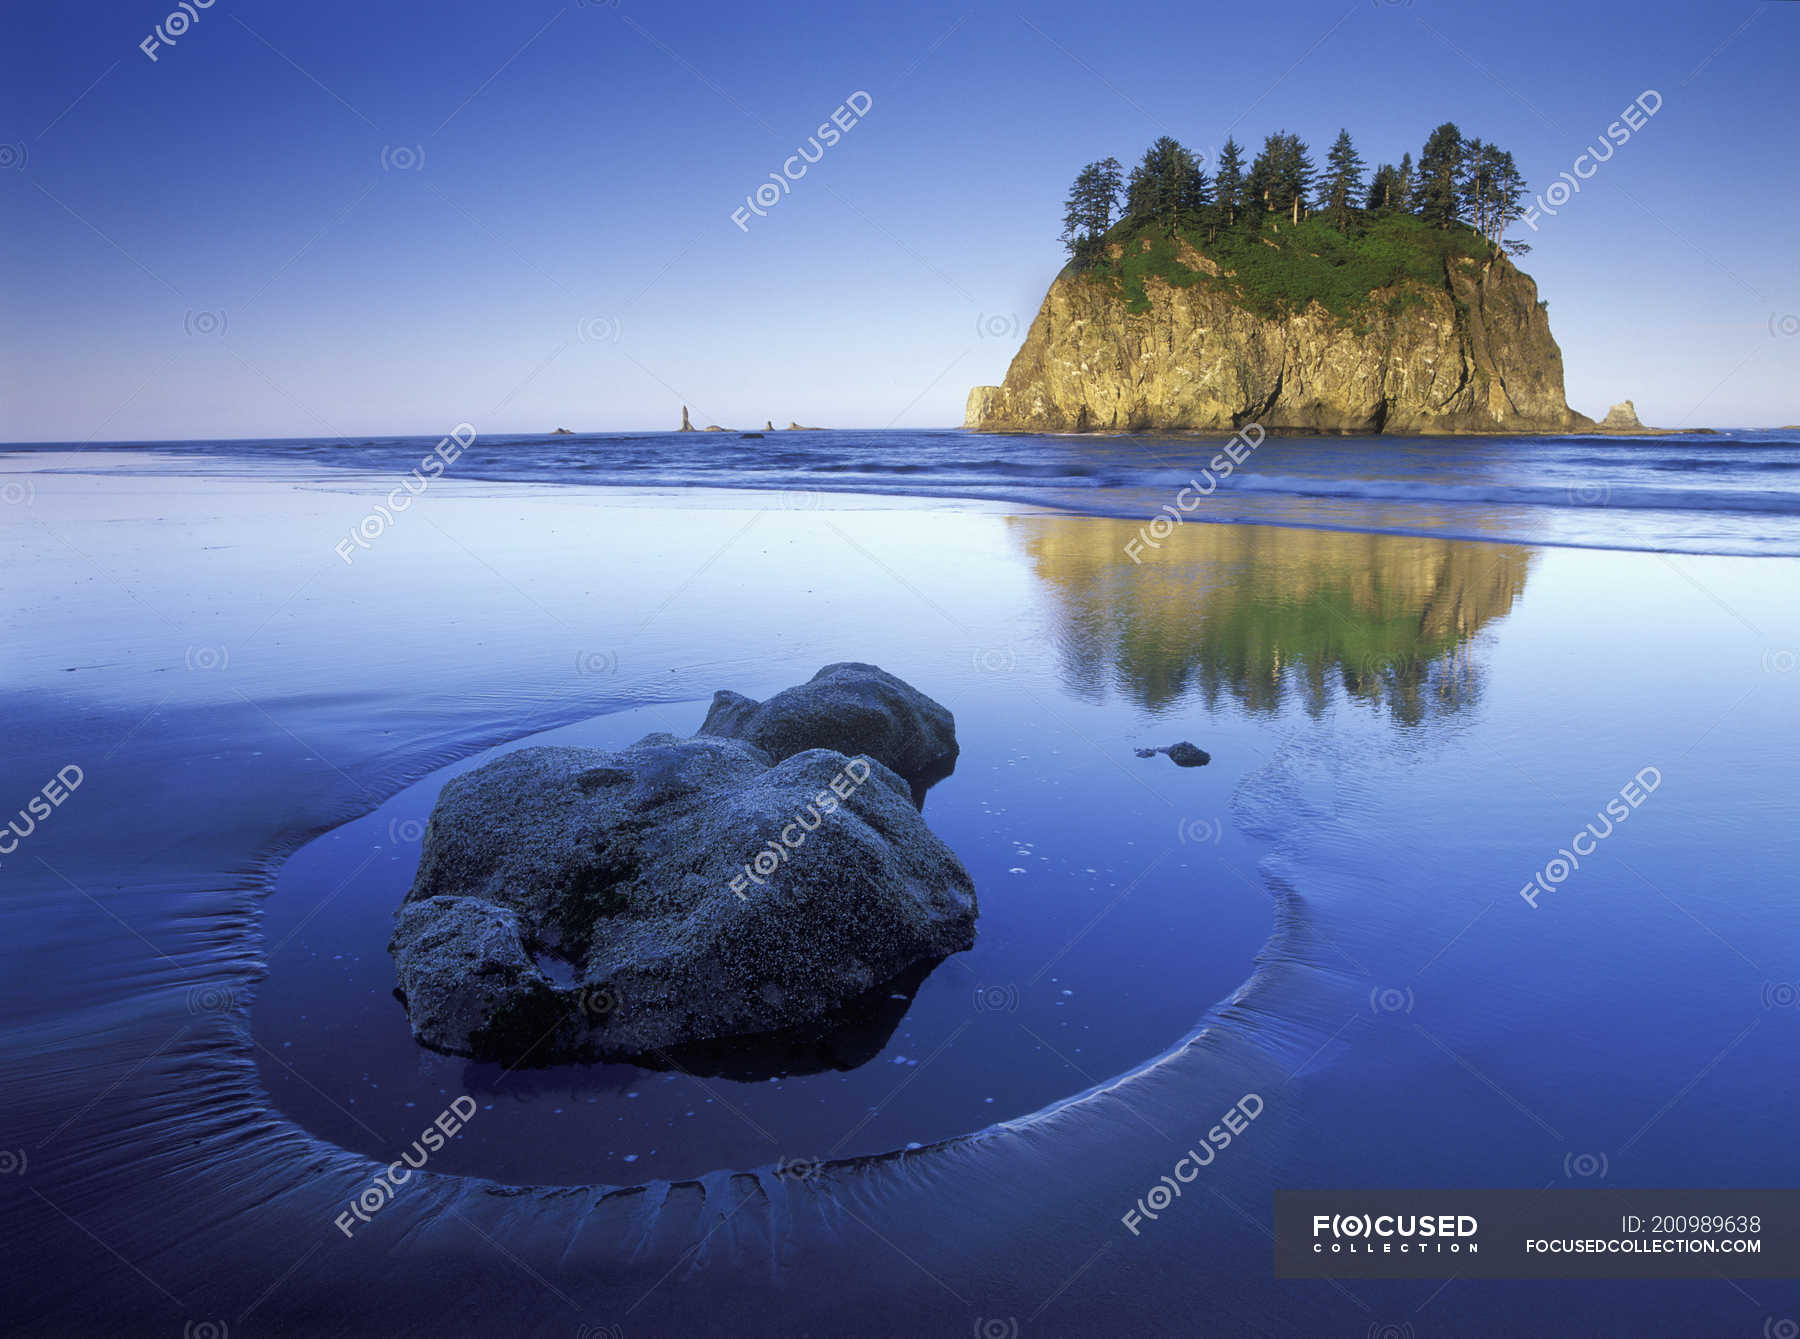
375,217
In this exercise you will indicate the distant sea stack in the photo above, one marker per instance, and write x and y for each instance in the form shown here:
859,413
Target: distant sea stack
1204,294
1471,353
1622,420
1622,416
768,426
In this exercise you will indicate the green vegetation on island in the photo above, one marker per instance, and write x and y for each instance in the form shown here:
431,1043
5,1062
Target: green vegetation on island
1281,234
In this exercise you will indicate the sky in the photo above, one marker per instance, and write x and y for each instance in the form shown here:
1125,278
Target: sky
374,217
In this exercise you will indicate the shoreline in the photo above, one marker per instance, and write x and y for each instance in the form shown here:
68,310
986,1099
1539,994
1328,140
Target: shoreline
1207,434
1249,505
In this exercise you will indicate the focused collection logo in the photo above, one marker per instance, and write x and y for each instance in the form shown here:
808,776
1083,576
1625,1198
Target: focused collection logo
1395,1234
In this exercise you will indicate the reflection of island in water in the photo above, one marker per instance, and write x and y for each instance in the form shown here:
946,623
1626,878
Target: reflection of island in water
1250,610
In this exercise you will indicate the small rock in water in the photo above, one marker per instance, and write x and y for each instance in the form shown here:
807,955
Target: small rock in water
1183,754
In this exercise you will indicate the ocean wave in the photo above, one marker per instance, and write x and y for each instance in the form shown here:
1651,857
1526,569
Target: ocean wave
1583,494
1731,493
981,469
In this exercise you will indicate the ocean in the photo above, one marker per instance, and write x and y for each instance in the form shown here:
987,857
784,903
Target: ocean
1729,492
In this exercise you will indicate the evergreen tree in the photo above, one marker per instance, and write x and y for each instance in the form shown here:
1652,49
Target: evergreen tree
1296,174
1109,192
1259,184
1475,185
1440,172
1228,182
1404,184
1167,189
1454,181
1381,190
1505,200
1342,186
1491,193
1196,199
1090,209
1281,176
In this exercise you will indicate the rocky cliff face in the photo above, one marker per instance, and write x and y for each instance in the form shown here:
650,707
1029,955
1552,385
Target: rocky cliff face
1472,355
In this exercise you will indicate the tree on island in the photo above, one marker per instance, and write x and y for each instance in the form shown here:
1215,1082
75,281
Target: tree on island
1259,182
1456,183
1281,177
1440,175
1168,189
1475,183
1390,189
1493,194
1512,192
1342,184
1228,182
1380,199
1091,208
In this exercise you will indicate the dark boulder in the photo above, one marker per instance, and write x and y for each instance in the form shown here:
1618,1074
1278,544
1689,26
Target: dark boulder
585,903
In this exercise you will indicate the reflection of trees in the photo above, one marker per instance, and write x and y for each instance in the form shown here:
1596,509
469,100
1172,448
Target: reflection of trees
1252,612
